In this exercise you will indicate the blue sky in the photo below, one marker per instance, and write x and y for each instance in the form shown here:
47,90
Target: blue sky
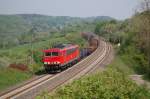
119,9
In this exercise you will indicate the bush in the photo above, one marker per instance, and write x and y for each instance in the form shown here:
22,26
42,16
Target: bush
135,59
37,56
109,84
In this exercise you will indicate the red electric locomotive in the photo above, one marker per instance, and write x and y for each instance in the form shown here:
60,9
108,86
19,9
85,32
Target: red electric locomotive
61,56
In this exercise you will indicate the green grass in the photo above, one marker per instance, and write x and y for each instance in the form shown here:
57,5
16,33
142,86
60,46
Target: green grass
119,64
110,84
9,77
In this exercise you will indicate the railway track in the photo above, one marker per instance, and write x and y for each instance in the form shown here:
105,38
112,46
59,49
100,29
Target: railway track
51,82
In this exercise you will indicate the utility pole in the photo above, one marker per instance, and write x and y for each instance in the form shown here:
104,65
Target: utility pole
32,48
32,31
149,52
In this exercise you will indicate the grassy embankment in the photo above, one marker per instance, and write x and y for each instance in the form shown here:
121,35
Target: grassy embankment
9,77
110,84
21,54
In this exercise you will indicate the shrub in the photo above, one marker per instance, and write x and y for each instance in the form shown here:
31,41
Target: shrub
135,59
109,84
37,56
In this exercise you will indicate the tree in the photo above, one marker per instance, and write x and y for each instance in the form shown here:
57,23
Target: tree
141,25
144,5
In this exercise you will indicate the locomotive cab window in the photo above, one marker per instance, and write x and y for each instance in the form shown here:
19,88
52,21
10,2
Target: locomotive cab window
51,54
48,54
54,54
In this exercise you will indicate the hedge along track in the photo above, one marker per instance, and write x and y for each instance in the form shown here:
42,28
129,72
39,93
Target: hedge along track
51,82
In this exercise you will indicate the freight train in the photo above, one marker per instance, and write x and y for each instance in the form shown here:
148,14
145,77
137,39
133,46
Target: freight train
62,56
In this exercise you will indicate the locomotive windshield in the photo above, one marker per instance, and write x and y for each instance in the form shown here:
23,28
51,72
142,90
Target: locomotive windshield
51,54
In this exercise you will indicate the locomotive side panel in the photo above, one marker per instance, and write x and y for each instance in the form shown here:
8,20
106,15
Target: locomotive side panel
71,55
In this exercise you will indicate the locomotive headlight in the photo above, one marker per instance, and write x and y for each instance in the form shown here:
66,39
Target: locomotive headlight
45,62
58,62
48,62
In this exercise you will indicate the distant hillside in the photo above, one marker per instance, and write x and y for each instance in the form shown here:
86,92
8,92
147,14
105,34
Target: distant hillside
21,23
18,29
12,23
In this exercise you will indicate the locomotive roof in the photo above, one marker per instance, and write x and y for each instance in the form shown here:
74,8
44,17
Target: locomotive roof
59,47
